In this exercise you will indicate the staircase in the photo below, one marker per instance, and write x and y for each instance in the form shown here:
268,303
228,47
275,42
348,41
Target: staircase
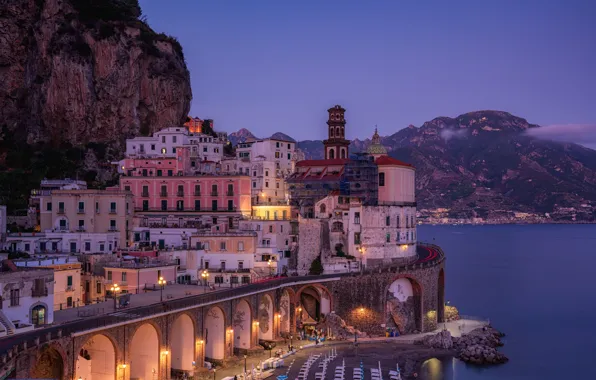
7,323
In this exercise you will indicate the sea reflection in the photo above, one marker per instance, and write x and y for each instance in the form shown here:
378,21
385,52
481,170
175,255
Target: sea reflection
432,369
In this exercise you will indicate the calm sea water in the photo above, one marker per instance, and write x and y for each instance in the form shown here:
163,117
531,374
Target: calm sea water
537,284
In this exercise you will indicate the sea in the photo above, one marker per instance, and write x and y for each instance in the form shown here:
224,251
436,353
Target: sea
536,283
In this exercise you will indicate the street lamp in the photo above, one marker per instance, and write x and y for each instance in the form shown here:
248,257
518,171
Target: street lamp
115,289
162,283
214,373
245,366
270,267
291,347
205,277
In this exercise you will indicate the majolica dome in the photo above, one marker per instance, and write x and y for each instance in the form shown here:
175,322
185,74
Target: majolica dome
376,148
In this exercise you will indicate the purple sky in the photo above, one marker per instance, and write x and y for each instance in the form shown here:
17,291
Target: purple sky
277,65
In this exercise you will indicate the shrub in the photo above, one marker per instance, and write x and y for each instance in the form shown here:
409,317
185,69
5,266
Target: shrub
316,267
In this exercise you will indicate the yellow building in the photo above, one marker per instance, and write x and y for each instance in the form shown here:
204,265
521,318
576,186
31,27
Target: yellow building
271,212
89,211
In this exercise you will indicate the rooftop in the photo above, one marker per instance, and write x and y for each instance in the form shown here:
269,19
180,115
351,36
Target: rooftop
336,161
388,161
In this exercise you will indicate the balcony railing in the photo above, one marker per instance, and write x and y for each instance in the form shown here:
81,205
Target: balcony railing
112,211
214,193
60,211
163,194
39,292
230,193
145,194
81,229
186,209
81,211
113,229
180,193
197,193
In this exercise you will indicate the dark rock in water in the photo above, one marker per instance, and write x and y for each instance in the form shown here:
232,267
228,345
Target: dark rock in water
478,354
441,340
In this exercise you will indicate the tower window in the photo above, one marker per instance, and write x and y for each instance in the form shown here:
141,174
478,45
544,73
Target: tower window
381,179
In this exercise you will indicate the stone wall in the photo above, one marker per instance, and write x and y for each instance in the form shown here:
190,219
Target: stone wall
309,244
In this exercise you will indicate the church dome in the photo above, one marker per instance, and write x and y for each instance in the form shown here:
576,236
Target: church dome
376,148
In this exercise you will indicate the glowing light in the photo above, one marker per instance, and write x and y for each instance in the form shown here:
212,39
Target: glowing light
201,341
362,310
123,366
166,352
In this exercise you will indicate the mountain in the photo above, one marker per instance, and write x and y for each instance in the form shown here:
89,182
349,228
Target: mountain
241,136
78,77
282,136
485,164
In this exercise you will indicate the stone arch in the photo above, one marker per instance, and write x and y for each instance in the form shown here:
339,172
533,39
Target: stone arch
39,313
322,208
285,312
403,304
183,343
242,325
331,153
441,297
266,317
144,352
338,131
331,134
50,364
215,334
343,152
314,300
97,359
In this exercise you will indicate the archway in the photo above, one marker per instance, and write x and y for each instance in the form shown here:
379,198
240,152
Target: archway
331,154
284,311
49,365
241,323
183,343
144,353
343,153
322,208
39,314
315,302
215,334
97,359
441,297
266,318
404,305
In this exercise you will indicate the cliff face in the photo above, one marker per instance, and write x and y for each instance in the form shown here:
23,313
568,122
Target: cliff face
83,75
79,71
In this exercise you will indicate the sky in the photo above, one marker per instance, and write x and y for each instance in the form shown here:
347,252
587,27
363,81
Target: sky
278,65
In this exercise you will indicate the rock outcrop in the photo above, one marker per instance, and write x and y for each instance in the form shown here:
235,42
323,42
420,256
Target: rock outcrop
80,75
338,328
441,340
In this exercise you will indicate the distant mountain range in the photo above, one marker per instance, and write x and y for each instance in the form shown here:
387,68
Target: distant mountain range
486,164
244,134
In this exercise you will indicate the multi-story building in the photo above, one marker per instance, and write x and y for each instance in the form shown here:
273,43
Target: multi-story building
57,242
67,278
133,277
26,298
359,209
88,211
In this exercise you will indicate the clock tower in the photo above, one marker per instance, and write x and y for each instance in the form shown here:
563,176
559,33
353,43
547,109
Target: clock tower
336,145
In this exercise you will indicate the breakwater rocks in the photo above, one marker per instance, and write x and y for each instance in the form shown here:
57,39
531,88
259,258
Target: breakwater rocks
479,346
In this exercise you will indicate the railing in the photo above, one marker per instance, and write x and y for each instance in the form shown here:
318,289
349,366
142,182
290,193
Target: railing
81,211
214,193
144,194
197,193
180,193
163,194
230,193
112,211
190,208
61,211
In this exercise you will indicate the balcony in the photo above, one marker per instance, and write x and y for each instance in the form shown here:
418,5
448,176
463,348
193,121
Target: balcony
186,209
61,211
42,292
230,193
113,229
112,211
180,193
69,288
145,194
81,211
197,193
81,229
163,194
214,193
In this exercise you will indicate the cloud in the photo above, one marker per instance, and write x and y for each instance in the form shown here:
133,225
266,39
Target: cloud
583,134
448,134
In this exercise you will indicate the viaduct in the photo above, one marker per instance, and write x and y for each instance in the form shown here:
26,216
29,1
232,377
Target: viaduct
162,341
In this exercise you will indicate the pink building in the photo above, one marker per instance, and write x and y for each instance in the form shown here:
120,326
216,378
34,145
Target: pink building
133,277
207,194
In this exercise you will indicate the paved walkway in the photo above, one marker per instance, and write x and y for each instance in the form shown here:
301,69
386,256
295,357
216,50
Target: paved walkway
151,297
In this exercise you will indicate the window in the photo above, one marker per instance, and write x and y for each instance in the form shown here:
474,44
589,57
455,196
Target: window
289,156
112,224
123,276
254,174
102,247
266,184
277,144
152,146
277,154
73,247
159,172
214,190
240,264
61,207
277,185
87,246
398,221
281,228
98,287
173,139
69,281
388,238
164,205
266,173
230,189
197,205
112,207
214,220
218,279
230,205
222,245
197,190
27,246
214,205
270,229
145,191
179,205
222,265
180,190
254,184
388,221
241,246
14,297
357,218
381,179
69,302
49,206
356,237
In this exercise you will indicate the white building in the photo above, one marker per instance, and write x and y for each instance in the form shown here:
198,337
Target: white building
163,237
57,242
27,297
273,241
67,278
165,142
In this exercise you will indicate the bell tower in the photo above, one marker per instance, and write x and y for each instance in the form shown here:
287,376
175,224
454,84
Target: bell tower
336,145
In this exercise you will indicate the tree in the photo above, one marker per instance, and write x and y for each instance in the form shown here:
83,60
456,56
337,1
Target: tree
316,267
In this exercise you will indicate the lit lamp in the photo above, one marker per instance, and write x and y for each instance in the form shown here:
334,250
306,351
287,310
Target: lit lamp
270,267
115,289
162,283
205,277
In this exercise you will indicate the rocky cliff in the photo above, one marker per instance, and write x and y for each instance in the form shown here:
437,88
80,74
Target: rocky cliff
78,77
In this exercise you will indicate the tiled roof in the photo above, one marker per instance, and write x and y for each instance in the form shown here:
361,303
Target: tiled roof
336,161
386,160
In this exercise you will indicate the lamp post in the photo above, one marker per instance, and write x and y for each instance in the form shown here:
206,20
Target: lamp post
291,347
115,289
214,370
270,268
244,366
162,283
205,277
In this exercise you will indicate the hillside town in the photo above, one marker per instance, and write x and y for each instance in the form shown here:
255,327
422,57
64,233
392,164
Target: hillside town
191,215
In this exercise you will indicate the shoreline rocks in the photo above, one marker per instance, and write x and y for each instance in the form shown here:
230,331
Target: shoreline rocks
478,347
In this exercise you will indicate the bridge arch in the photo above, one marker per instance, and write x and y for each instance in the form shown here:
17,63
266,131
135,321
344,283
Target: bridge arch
403,304
285,311
97,359
144,352
441,297
242,325
215,334
183,343
266,317
50,364
314,301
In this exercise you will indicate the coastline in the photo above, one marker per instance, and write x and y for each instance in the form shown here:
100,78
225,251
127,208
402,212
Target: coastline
496,223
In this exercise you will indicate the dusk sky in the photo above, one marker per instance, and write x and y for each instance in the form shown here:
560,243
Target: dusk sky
277,65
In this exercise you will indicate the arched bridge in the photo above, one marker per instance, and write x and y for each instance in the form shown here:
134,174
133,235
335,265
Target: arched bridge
166,339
